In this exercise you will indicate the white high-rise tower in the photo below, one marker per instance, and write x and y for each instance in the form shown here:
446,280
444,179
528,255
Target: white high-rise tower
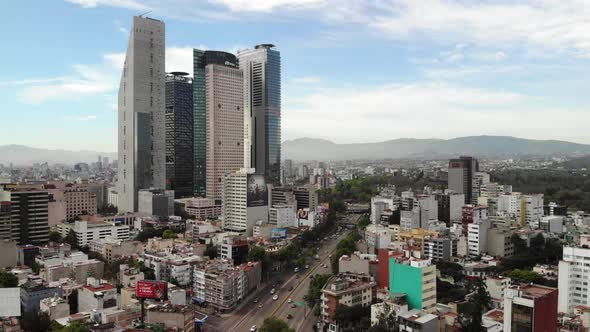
141,163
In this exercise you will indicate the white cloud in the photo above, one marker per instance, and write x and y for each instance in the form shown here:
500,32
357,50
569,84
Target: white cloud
117,60
554,25
422,111
130,4
267,6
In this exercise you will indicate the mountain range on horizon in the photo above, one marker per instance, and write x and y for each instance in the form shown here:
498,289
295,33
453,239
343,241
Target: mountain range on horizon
322,149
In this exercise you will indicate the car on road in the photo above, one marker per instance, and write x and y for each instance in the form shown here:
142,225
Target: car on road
311,276
272,291
255,300
296,270
293,305
260,305
275,297
289,316
306,267
290,300
254,328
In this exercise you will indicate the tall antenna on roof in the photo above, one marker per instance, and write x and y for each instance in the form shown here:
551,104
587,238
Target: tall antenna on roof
149,11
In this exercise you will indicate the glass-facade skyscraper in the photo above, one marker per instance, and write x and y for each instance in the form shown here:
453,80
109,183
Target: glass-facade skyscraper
141,132
261,68
201,59
179,134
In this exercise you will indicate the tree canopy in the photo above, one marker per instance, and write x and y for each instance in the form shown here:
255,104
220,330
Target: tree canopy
272,324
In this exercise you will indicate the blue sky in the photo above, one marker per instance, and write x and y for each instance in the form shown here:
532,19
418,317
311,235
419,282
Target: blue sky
353,70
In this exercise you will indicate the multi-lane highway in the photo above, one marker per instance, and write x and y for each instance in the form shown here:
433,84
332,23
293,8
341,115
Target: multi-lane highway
294,286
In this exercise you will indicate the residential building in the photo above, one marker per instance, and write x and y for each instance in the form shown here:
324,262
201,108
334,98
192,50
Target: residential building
112,249
224,105
306,197
573,278
9,250
29,215
261,68
87,231
141,122
222,285
244,201
358,264
199,208
479,179
234,249
171,317
79,201
32,293
179,134
427,205
496,286
129,276
415,320
96,296
439,248
417,279
416,238
377,237
344,291
472,213
156,202
477,237
55,307
499,242
530,307
552,224
461,175
449,207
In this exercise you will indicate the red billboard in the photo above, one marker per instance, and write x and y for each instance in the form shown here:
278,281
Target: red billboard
149,289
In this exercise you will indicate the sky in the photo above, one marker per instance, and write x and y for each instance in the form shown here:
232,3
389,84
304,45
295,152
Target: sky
352,70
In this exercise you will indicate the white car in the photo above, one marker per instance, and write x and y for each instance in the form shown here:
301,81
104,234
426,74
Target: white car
290,301
275,297
254,328
272,291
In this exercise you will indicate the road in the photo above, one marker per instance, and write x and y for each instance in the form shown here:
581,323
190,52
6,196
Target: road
254,313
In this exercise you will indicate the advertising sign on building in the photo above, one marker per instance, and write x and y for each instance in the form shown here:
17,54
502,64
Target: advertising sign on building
150,289
303,214
278,233
257,191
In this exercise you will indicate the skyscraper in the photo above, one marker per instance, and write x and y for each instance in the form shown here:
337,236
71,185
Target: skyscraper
179,134
26,210
200,61
141,121
461,174
225,124
262,110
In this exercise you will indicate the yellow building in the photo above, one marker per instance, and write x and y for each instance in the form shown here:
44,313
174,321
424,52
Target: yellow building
415,237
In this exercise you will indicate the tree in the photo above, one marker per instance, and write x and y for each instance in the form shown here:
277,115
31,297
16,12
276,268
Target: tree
169,234
353,317
520,247
211,251
272,324
73,327
315,289
54,236
256,254
363,222
71,239
8,279
480,301
387,320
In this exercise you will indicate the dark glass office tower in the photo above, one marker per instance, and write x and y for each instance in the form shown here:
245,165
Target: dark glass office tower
200,60
262,107
179,134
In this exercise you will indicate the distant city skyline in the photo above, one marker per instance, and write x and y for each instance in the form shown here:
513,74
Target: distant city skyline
351,71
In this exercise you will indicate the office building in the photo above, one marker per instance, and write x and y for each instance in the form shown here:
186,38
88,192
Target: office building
439,248
573,279
477,237
461,175
156,202
141,132
417,279
179,134
198,207
261,67
79,201
87,231
201,59
531,308
479,179
29,215
225,124
244,201
306,197
32,293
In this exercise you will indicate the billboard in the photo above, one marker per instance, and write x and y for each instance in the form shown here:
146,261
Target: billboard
150,289
278,233
257,191
303,214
